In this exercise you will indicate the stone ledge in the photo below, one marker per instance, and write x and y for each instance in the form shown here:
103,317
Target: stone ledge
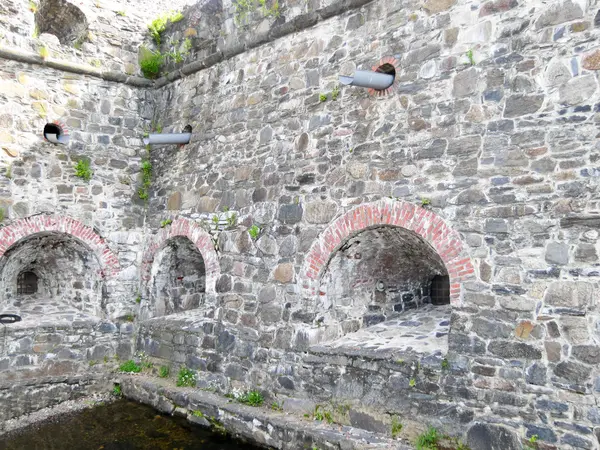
47,381
298,24
72,67
261,426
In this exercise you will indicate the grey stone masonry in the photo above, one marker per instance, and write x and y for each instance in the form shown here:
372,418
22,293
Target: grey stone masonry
423,255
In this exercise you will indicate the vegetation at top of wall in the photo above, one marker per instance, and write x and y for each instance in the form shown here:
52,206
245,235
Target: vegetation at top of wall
164,371
425,202
197,413
251,398
150,62
130,367
117,390
159,25
276,406
146,179
186,378
44,52
166,222
244,7
429,440
432,439
83,170
396,427
177,55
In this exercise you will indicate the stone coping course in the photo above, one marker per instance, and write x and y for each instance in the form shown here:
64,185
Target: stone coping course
271,429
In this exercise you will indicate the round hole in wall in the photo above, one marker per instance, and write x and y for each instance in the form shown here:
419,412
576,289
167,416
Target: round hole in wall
52,128
380,286
388,69
187,129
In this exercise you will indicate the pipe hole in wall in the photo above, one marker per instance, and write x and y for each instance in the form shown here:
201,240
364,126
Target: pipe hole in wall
52,128
387,69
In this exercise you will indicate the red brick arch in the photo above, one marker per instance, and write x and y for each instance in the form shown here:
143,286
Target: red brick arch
425,223
195,233
23,228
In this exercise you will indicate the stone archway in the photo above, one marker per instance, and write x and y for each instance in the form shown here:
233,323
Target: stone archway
424,223
199,238
23,228
68,261
178,281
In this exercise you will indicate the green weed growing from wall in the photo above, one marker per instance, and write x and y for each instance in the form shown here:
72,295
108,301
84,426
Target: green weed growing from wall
159,25
244,7
150,62
146,179
186,377
83,170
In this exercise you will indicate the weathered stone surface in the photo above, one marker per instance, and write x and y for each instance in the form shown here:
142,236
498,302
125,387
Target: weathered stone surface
520,105
284,273
174,202
436,6
578,90
569,294
492,437
557,253
506,349
320,212
591,61
559,12
572,372
589,354
497,6
465,83
290,213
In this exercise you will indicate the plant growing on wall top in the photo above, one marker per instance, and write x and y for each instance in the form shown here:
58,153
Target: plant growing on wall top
243,7
150,62
159,25
186,377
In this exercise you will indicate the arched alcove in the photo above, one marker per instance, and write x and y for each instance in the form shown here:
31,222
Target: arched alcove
378,274
384,275
178,281
62,19
51,274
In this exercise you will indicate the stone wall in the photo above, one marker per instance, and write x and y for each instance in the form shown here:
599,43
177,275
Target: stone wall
491,124
82,239
484,149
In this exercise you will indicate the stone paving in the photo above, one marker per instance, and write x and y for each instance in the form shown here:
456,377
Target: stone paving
48,312
421,331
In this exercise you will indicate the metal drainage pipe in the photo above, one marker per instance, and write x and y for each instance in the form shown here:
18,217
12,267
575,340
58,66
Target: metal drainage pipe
57,138
168,138
368,79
